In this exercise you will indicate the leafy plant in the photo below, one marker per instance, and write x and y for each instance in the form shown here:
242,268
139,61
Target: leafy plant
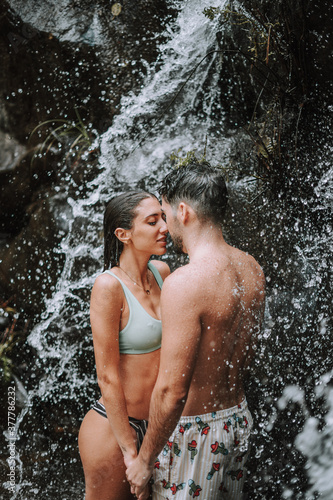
183,161
259,31
73,133
6,344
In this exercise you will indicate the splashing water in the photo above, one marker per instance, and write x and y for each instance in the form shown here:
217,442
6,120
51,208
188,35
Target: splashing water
135,152
315,440
64,361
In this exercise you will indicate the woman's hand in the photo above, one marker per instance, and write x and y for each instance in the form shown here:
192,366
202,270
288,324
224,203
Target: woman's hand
138,474
145,494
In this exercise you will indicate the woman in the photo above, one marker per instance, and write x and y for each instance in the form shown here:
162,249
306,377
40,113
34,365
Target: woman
124,314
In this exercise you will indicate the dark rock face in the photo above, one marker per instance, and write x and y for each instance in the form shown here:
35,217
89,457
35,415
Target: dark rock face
46,73
57,57
275,82
30,263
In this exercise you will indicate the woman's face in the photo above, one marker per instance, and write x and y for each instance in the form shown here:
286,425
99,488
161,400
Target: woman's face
149,231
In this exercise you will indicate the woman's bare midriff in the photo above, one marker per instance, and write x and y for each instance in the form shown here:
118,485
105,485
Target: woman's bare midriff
138,374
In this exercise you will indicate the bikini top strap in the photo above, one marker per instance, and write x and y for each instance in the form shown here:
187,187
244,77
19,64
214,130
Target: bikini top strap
112,274
153,269
156,274
129,296
124,287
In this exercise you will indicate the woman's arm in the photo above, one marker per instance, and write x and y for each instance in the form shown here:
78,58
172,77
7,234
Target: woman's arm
107,300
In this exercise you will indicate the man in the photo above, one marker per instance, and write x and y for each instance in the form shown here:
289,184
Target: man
211,308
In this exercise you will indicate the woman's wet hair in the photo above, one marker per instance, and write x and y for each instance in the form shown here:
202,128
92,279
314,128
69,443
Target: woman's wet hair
201,186
120,212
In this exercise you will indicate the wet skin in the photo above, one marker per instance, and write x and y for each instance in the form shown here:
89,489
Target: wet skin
209,339
220,310
126,380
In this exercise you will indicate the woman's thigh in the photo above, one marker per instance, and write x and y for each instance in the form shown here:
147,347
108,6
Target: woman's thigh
102,460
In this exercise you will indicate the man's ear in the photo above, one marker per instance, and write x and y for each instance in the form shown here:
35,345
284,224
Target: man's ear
123,235
183,212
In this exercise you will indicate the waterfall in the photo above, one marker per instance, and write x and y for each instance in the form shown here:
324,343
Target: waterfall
64,377
123,163
160,119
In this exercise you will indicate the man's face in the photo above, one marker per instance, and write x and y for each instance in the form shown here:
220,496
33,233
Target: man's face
174,227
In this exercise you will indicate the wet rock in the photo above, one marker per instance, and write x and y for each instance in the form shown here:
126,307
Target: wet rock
275,84
20,178
11,152
61,55
30,263
58,58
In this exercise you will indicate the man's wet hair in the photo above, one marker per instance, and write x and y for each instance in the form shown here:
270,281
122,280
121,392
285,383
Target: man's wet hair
201,186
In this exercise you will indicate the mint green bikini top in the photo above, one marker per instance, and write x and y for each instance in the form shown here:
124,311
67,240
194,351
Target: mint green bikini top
143,333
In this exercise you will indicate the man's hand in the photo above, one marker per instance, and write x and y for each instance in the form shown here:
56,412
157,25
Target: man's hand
138,474
144,495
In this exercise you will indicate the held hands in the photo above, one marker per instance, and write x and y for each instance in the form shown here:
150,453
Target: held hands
142,496
138,474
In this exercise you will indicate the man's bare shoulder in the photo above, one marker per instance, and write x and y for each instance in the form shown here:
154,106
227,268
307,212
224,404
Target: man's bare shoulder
179,280
247,260
181,295
257,272
251,273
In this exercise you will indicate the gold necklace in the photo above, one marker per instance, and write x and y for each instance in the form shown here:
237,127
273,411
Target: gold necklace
147,291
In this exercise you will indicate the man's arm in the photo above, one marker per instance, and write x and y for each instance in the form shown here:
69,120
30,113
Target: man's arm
181,335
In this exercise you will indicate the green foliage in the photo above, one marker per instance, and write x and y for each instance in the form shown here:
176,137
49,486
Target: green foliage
73,134
182,161
5,365
212,12
259,31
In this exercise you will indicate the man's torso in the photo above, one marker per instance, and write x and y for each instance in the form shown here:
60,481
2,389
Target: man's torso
229,289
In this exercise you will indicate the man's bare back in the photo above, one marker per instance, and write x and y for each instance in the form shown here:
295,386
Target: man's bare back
227,288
